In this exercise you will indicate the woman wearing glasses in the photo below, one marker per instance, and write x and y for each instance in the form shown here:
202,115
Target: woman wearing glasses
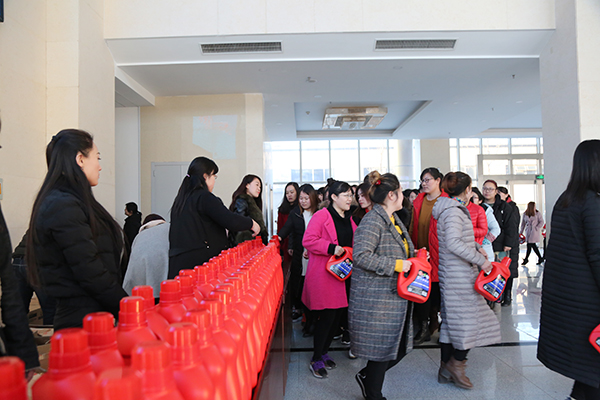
423,231
329,230
508,239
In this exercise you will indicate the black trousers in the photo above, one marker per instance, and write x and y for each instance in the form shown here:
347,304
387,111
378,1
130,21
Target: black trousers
326,323
449,351
374,372
534,247
423,311
581,391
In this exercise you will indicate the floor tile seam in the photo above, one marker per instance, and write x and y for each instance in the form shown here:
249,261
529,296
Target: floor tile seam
541,388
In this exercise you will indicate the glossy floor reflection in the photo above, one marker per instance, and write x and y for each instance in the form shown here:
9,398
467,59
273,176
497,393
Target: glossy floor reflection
511,371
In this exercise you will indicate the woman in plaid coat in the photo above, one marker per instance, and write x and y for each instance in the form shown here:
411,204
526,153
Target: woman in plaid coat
380,324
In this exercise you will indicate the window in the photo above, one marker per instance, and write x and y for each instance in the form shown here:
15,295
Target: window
344,160
373,156
496,167
286,156
523,146
454,155
525,167
468,152
494,146
315,160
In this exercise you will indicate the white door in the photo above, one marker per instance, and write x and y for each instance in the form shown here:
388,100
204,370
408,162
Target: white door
166,179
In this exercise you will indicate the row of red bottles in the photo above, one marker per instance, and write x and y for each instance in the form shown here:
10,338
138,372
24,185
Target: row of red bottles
213,321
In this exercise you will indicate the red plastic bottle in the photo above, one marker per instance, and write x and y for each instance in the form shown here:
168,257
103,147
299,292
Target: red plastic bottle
210,355
595,338
118,384
170,305
153,360
492,285
70,375
191,377
204,286
415,285
13,385
194,274
236,326
227,347
133,326
102,339
156,322
187,292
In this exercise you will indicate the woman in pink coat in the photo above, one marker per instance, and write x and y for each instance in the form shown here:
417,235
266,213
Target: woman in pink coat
329,230
532,223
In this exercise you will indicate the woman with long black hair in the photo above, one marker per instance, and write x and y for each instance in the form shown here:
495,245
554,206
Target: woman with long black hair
290,200
247,201
132,224
531,224
571,287
199,219
75,244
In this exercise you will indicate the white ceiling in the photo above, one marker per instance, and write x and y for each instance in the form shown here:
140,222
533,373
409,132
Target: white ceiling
490,80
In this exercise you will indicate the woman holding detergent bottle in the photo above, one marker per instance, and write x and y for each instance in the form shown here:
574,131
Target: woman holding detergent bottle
571,288
468,321
329,231
380,320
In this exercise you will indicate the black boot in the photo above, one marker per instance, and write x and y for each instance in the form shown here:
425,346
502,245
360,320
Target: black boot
507,299
423,335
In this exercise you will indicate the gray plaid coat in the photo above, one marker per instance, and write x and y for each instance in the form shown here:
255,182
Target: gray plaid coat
376,313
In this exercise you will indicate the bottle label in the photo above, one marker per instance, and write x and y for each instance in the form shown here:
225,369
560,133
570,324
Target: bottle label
342,269
496,286
420,286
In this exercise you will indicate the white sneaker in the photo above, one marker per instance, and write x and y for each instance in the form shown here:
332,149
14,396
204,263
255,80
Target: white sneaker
351,356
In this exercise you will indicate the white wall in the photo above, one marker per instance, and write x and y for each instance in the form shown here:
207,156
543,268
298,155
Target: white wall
128,182
435,153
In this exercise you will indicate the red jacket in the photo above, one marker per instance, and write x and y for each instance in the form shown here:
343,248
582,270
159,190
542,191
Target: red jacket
480,226
434,254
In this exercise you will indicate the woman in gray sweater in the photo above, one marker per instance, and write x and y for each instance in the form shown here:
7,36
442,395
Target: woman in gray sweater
468,321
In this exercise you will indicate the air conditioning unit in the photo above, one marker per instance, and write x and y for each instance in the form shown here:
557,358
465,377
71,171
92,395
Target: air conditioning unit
353,118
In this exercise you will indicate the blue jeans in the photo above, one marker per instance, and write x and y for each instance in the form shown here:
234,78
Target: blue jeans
26,291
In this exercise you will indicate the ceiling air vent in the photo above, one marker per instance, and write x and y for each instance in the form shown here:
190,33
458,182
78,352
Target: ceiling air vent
254,47
351,118
415,44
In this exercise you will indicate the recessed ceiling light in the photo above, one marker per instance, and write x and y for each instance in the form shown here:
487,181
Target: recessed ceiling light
318,96
279,124
519,102
456,102
397,67
262,69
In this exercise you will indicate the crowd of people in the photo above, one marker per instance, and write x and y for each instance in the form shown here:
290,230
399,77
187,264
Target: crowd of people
76,257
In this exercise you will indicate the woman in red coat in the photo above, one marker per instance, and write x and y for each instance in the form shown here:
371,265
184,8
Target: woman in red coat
423,232
328,231
479,220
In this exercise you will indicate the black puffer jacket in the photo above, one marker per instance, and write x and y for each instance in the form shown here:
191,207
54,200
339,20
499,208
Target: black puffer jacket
571,292
508,217
81,271
15,334
246,205
132,226
198,233
294,226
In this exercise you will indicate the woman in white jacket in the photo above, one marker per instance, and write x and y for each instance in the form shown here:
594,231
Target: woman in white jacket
493,226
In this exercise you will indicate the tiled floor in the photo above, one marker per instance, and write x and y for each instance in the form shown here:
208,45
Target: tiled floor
511,371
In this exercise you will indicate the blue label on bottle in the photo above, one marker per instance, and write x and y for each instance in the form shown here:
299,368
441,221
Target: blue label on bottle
420,286
496,286
342,269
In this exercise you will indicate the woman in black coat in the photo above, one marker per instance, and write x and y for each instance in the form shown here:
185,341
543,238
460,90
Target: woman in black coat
571,286
199,219
133,223
247,201
76,244
508,216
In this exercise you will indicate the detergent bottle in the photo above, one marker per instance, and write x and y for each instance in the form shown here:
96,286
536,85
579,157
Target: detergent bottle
492,285
13,385
156,322
118,384
132,327
190,375
170,305
187,291
194,274
595,338
102,339
209,353
204,286
415,285
70,375
153,361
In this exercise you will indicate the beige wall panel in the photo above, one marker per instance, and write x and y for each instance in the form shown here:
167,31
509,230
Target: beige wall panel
435,153
242,17
530,14
62,20
339,16
278,13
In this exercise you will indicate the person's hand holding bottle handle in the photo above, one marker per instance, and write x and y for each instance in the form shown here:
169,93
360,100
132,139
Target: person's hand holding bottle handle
339,250
255,228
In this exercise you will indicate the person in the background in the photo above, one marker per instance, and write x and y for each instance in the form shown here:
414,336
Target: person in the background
423,232
468,321
26,290
364,202
133,222
247,201
16,338
513,226
571,286
149,259
493,227
295,227
74,246
411,194
531,224
200,220
508,238
479,220
290,200
330,230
